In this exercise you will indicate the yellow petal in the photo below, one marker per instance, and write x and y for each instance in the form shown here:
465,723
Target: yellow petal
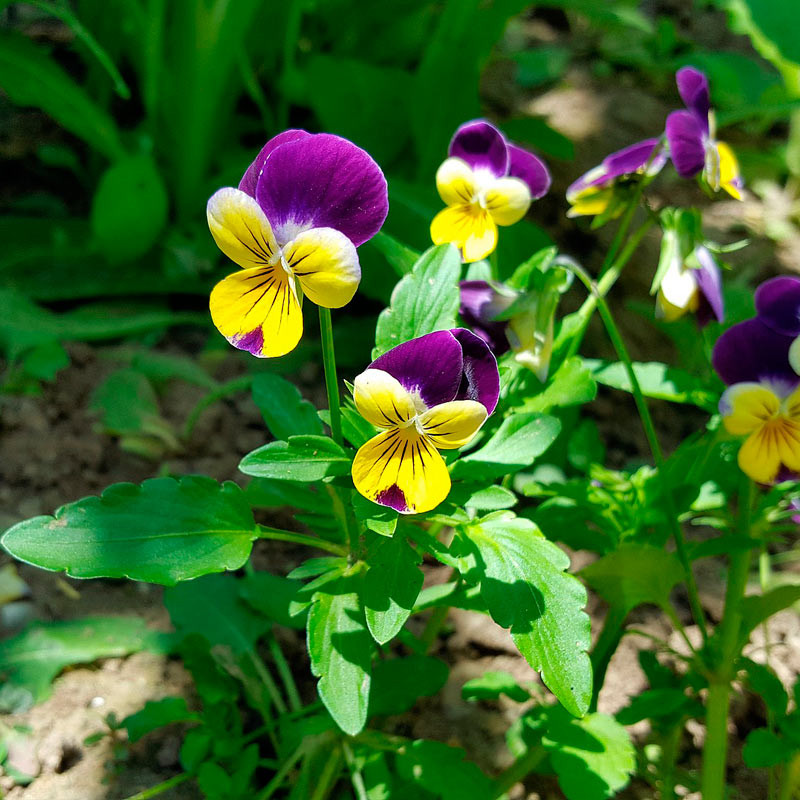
468,227
746,407
455,182
381,399
326,264
729,174
590,202
453,424
240,228
256,310
776,443
507,200
794,355
400,469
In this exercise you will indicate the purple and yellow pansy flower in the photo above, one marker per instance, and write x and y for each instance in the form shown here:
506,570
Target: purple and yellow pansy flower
691,135
759,359
293,225
691,285
595,191
428,394
486,181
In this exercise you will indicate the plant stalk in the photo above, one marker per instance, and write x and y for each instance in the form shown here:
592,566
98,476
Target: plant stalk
165,786
331,382
300,538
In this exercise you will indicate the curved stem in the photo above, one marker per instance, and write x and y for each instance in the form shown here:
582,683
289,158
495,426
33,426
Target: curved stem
300,538
166,785
225,390
331,382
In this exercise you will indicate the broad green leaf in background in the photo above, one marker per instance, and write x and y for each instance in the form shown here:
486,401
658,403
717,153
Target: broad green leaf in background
212,607
302,458
492,498
378,519
129,209
525,586
759,608
30,77
11,585
426,300
283,408
273,596
635,574
162,531
340,647
518,441
571,385
656,380
355,428
391,586
763,748
491,685
30,660
397,255
397,683
156,714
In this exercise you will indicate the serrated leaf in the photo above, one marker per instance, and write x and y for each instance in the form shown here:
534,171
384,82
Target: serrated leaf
424,301
283,408
518,441
397,683
156,714
634,574
340,648
391,586
302,458
162,531
32,659
526,589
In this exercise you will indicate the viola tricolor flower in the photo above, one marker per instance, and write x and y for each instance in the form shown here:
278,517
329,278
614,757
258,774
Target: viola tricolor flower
759,359
691,135
594,192
293,225
429,394
693,287
485,182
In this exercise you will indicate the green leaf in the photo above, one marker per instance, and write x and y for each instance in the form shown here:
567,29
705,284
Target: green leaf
399,257
340,647
656,380
518,441
31,660
302,458
426,300
635,574
493,684
492,498
355,428
12,586
211,607
762,748
283,408
398,683
31,78
593,757
766,683
652,704
541,65
129,209
442,770
758,608
163,531
379,519
273,596
156,714
571,385
391,586
525,588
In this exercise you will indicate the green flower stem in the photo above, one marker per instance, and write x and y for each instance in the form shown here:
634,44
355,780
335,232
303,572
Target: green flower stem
329,776
165,786
285,674
610,635
282,773
791,779
655,448
519,770
300,538
269,682
225,390
331,382
670,744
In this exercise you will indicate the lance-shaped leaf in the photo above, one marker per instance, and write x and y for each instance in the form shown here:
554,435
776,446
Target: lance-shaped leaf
162,531
424,301
340,647
526,589
302,458
283,407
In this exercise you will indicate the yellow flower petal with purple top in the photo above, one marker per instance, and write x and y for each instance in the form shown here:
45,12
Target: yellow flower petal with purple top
507,200
382,400
399,468
469,227
730,178
751,406
257,310
451,425
240,228
326,264
455,182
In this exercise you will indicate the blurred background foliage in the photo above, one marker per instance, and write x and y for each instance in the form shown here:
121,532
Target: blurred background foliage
120,117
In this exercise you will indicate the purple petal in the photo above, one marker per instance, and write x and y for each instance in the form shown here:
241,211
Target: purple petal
481,378
323,181
623,162
393,497
709,281
431,365
529,168
482,146
751,351
252,342
693,89
686,146
480,304
250,178
778,304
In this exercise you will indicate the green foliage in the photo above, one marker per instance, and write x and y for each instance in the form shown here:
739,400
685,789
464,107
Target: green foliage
493,684
162,531
281,405
397,683
442,770
302,458
156,714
